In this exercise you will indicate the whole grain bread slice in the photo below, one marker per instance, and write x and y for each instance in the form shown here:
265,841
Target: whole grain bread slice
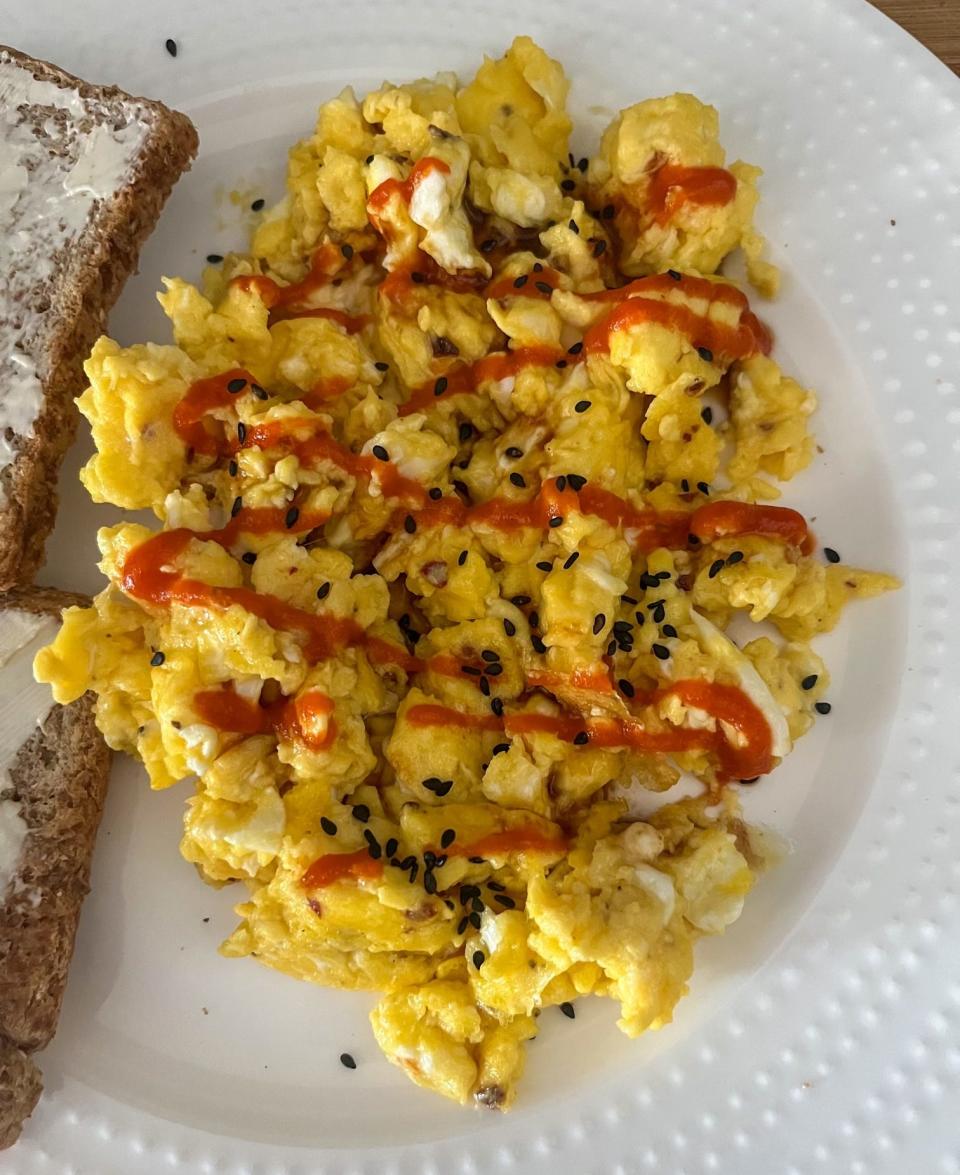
90,168
58,777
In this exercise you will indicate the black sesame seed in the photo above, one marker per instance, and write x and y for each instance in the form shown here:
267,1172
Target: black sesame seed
236,385
429,859
380,453
409,524
715,568
391,846
685,486
567,1008
475,920
476,904
373,845
258,204
705,354
470,670
347,251
500,748
648,581
171,46
581,738
414,870
537,267
520,282
537,643
479,958
626,688
669,630
259,392
570,560
544,287
629,600
158,658
534,619
291,517
328,826
462,925
485,687
581,406
241,432
573,226
734,557
703,487
467,892
236,507
436,493
462,558
494,670
466,431
233,468
429,882
361,812
497,707
440,786
555,522
622,626
661,652
520,601
214,258
368,160
567,185
831,555
488,245
505,900
658,614
447,837
509,627
706,415
417,277
576,482
598,622
249,557
599,248
513,452
822,707
347,1061
809,682
517,480
323,591
561,363
440,386
477,860
674,274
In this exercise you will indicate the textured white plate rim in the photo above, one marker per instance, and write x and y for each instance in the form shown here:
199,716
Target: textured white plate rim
859,1075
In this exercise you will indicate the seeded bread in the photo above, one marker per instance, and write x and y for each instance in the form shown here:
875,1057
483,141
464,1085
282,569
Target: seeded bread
57,777
84,173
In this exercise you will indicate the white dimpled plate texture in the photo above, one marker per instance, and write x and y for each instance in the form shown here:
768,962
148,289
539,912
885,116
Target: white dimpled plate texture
822,1033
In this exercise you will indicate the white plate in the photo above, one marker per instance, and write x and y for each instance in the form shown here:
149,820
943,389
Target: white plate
823,1032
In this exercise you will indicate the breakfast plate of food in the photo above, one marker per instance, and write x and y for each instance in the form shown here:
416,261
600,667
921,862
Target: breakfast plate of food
510,505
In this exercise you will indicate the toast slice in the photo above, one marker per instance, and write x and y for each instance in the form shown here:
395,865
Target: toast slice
53,778
84,173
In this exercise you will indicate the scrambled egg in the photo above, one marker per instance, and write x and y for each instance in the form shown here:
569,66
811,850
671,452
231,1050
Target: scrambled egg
448,546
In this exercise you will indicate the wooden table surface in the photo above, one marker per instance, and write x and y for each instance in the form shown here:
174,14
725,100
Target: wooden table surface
934,22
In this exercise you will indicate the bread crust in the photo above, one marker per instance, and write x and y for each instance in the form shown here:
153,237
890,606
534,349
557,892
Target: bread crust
104,257
59,777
